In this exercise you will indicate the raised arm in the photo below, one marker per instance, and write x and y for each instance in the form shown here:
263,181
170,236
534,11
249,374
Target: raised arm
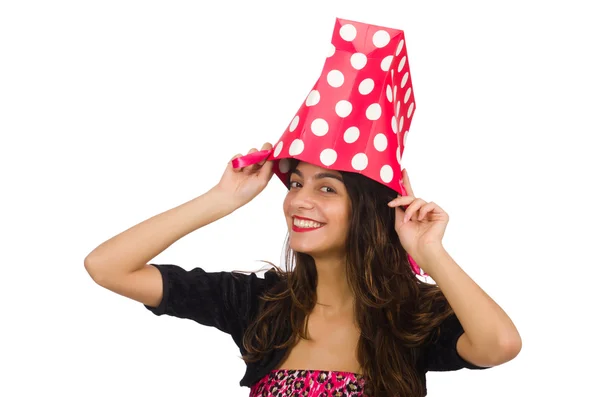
120,264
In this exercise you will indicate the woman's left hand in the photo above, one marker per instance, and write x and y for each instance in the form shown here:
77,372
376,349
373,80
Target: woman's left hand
421,226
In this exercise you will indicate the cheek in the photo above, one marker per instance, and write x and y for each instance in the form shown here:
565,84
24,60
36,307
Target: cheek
344,225
338,215
344,219
286,205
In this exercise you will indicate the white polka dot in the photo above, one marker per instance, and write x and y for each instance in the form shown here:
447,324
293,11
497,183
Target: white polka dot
374,111
395,91
401,124
319,127
313,98
294,123
400,45
398,108
348,32
284,166
385,64
386,173
410,110
296,147
360,161
388,93
331,50
366,86
407,95
328,157
404,79
405,138
401,64
278,149
392,76
343,108
394,125
335,78
351,134
358,60
381,38
380,142
398,157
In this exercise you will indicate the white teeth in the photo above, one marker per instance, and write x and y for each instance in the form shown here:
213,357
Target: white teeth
306,224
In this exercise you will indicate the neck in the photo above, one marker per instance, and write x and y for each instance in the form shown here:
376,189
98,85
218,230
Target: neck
334,296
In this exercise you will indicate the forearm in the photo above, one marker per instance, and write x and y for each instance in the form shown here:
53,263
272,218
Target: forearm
485,323
133,248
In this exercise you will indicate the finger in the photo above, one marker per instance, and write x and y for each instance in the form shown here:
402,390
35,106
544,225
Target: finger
424,210
398,203
267,166
401,200
266,171
412,208
251,168
231,165
398,214
265,146
406,183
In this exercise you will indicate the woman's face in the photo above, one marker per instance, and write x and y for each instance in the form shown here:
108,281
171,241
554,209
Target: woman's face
317,211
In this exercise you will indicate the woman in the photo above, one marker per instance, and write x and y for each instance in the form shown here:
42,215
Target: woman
348,317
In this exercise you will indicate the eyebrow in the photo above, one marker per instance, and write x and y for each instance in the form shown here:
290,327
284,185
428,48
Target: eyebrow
321,175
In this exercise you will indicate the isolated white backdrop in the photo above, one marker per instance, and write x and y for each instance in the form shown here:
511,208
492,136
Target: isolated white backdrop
114,111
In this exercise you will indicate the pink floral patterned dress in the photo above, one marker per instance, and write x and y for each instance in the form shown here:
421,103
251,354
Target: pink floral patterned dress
309,383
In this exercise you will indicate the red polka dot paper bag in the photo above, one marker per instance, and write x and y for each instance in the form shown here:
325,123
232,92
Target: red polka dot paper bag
357,115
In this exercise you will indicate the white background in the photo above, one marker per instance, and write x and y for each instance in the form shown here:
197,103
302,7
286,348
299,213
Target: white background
114,111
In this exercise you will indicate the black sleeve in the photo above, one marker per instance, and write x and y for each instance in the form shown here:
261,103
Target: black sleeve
216,299
441,353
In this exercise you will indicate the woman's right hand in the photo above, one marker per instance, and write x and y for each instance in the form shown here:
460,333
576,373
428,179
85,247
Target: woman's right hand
244,184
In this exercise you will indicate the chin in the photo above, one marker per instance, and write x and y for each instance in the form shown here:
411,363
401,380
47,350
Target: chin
303,248
306,247
313,243
313,250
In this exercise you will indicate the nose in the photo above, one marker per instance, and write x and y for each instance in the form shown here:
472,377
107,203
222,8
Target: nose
302,198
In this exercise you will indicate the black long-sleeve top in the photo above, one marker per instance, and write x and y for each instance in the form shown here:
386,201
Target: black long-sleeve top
217,299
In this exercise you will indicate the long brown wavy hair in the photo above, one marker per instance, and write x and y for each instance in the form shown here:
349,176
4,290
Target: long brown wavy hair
396,312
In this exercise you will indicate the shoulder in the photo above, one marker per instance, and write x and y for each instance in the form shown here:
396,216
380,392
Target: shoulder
223,299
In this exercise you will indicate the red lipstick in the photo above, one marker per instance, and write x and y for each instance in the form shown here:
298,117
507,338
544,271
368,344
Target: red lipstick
304,229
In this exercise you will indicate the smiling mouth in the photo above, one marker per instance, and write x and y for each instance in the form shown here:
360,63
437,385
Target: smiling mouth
305,225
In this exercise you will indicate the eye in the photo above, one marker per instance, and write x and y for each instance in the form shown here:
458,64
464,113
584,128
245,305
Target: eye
327,189
294,184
